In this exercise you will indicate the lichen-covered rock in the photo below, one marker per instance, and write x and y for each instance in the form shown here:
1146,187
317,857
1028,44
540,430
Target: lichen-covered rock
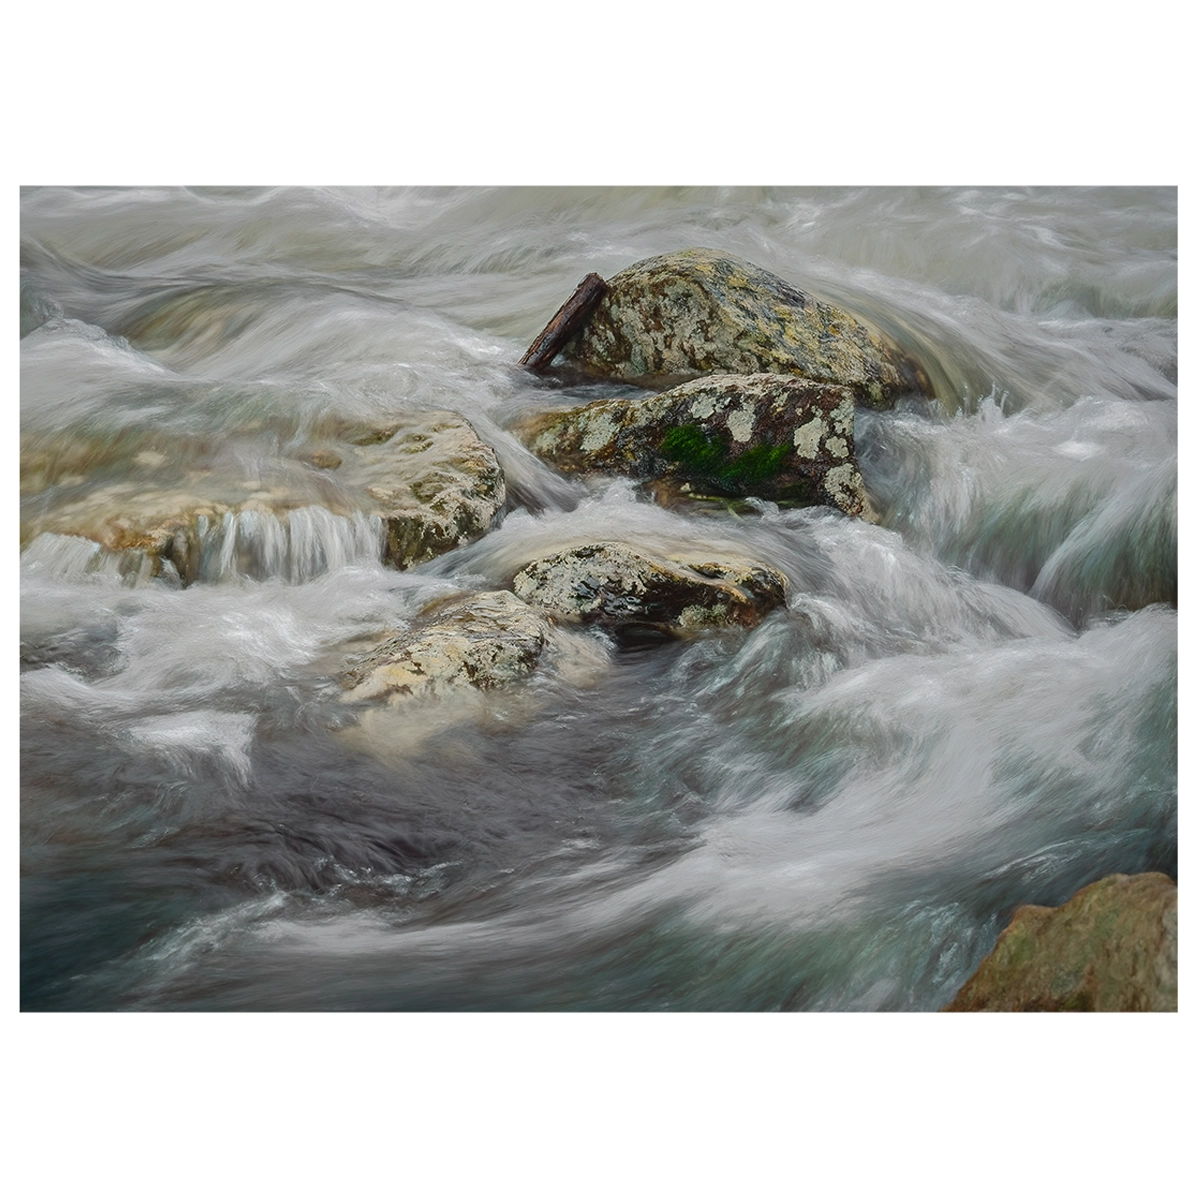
483,642
1113,947
619,587
772,436
428,478
700,312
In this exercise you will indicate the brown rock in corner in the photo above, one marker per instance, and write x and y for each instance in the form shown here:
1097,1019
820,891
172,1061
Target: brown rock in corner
1113,947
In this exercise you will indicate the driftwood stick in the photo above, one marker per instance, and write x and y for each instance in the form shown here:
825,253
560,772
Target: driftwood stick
564,323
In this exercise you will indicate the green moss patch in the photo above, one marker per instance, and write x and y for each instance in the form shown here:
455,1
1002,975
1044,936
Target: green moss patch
705,457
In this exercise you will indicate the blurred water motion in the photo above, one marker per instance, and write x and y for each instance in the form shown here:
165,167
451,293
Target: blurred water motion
966,709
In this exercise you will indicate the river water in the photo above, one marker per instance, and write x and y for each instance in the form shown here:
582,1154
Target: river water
967,708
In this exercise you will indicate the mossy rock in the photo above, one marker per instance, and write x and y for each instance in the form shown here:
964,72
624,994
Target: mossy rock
701,312
776,437
622,588
1113,947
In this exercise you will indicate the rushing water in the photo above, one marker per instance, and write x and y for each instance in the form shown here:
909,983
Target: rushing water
970,707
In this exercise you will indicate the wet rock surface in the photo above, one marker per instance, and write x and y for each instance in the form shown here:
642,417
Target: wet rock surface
482,641
767,435
1113,947
428,478
625,589
700,312
433,481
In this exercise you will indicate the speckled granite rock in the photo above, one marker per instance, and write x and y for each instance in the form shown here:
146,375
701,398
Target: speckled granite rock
1113,947
772,436
428,477
701,312
618,586
483,641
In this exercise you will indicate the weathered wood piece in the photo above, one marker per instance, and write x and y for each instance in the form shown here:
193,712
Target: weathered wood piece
565,322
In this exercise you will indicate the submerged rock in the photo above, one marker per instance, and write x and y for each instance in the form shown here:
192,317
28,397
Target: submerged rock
182,327
466,664
427,480
1113,947
622,588
484,641
700,312
36,310
772,436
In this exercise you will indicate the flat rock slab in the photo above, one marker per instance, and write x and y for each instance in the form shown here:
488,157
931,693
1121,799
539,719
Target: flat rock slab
1113,947
701,312
428,477
481,642
619,587
767,435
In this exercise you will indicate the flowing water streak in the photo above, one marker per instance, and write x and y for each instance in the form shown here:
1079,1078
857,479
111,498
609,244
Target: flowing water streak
301,544
970,708
297,545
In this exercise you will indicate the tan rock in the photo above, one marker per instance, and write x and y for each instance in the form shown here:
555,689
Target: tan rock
433,481
483,641
428,478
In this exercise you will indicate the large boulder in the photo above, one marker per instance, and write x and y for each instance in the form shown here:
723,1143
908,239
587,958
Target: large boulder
1113,947
482,641
624,589
772,436
700,312
427,477
476,643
